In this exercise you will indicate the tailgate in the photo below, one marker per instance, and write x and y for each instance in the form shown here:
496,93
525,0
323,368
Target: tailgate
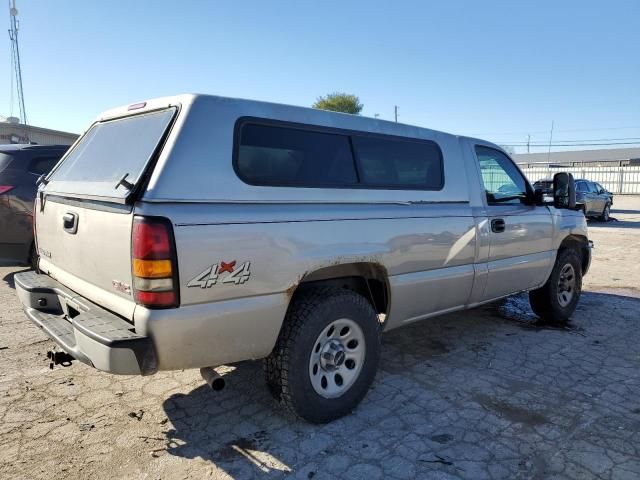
88,249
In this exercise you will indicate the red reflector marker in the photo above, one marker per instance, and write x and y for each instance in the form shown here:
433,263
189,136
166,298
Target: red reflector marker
155,299
136,106
6,188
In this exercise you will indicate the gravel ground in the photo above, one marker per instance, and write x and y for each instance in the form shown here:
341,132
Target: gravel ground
487,393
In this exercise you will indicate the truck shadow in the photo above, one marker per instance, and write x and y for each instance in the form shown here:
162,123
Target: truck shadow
459,366
632,212
8,278
614,223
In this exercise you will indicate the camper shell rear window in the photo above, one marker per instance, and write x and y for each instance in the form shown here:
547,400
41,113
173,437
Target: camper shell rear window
110,150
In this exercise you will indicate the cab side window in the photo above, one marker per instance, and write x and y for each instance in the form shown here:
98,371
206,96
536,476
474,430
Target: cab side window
503,182
582,187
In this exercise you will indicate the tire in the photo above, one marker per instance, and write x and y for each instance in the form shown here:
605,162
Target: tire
557,299
605,213
326,356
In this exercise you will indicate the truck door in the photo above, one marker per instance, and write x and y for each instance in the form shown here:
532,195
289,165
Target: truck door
520,233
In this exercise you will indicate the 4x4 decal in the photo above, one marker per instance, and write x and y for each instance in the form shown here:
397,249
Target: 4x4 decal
215,274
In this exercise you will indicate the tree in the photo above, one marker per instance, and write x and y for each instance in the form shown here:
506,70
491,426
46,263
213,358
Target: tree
339,102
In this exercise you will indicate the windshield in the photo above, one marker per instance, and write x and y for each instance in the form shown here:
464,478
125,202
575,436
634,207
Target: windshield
109,151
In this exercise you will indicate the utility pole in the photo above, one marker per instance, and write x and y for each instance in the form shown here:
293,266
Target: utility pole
395,109
550,139
15,63
528,143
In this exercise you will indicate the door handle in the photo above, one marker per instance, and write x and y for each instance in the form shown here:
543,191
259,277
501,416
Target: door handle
70,222
497,225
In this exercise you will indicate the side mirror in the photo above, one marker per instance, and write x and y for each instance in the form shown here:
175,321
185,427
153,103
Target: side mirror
564,191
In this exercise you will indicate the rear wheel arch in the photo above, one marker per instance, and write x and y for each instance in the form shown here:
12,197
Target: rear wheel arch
369,279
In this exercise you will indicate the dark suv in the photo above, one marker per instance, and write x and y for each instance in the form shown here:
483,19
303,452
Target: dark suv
594,200
20,167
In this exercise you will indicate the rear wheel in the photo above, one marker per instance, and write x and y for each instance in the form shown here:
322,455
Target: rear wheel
605,213
557,299
327,354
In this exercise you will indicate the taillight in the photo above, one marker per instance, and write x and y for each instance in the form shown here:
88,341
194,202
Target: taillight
153,257
6,188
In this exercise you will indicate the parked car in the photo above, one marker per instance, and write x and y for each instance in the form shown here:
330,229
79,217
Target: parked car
196,231
545,185
20,167
593,200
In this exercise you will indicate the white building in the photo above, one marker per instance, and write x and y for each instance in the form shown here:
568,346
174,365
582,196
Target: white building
609,157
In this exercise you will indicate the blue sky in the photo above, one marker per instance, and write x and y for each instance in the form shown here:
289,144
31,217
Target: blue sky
494,69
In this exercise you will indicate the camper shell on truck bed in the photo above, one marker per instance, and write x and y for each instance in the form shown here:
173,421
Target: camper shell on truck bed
194,231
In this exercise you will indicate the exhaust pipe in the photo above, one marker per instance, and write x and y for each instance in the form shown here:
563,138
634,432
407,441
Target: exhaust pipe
213,379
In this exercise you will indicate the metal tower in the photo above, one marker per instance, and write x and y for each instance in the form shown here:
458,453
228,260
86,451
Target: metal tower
15,65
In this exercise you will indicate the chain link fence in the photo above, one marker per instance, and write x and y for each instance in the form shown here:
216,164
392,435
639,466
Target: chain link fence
619,180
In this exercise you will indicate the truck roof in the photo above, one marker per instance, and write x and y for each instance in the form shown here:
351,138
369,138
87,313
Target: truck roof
323,116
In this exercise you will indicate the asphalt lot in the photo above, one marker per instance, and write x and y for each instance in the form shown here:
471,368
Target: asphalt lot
487,393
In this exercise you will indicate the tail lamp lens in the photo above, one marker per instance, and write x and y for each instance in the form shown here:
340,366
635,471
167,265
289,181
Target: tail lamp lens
6,188
150,240
154,263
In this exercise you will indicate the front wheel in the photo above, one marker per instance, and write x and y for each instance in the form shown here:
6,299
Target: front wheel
327,354
605,213
557,299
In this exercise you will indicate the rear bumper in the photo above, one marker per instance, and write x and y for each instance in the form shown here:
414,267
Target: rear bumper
85,331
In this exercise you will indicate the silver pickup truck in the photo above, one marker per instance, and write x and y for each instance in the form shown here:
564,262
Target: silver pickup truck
195,231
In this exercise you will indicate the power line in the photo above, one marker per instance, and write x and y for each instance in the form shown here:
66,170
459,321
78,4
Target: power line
556,130
588,140
596,129
569,144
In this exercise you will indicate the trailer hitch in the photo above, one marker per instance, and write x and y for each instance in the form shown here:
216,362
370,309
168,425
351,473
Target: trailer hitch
59,358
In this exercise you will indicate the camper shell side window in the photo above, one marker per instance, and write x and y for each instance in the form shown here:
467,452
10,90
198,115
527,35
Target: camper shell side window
278,154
